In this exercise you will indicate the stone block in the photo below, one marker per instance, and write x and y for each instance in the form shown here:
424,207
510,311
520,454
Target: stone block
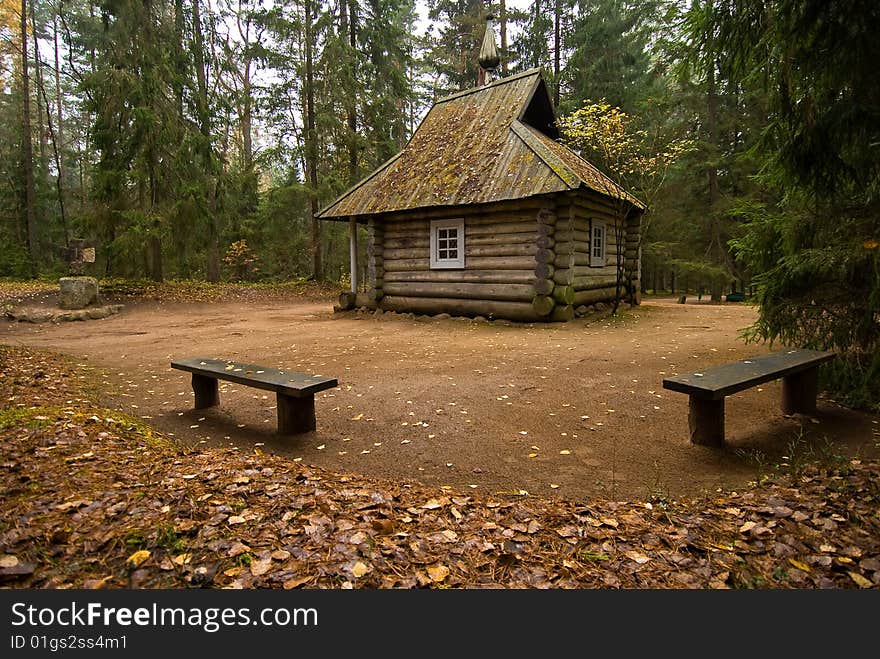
35,316
77,292
347,300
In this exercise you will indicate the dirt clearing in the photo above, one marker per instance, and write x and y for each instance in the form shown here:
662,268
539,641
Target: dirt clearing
573,410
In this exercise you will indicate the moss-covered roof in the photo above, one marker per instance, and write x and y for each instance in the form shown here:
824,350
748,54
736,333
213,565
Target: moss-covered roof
491,143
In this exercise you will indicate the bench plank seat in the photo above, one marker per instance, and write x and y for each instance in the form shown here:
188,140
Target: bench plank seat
708,388
720,381
295,392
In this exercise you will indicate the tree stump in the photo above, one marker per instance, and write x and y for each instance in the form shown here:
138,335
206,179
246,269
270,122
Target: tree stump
347,300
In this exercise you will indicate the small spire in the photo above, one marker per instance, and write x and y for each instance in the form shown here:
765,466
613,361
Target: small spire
489,59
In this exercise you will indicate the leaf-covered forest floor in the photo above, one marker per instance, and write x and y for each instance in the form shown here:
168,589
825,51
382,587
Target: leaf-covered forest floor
94,498
45,292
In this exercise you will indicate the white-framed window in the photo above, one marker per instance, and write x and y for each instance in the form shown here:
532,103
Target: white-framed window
598,236
447,243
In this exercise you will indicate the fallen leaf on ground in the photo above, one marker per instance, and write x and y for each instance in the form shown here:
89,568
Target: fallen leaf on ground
137,559
800,566
861,582
437,573
96,584
296,582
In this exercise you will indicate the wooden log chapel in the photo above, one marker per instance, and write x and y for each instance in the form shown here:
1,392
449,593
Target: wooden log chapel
485,213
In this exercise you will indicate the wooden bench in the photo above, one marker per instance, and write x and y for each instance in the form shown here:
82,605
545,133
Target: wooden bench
295,392
707,389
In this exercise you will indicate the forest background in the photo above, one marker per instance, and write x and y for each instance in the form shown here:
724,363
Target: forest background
198,139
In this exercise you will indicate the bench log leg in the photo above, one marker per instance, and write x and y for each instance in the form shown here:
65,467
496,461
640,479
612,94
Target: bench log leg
799,392
295,415
206,391
706,421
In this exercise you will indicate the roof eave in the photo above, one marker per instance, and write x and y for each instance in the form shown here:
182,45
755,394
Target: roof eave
568,175
324,213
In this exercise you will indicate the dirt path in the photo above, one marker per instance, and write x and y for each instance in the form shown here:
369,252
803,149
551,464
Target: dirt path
572,410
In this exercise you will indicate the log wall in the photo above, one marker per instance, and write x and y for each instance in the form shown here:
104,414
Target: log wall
576,281
526,260
375,262
502,243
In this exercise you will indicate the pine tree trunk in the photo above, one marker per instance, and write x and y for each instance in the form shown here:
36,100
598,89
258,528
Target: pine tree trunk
39,92
557,49
311,146
177,78
27,154
212,269
156,259
59,131
349,23
50,129
247,131
535,62
716,245
154,255
503,28
712,130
